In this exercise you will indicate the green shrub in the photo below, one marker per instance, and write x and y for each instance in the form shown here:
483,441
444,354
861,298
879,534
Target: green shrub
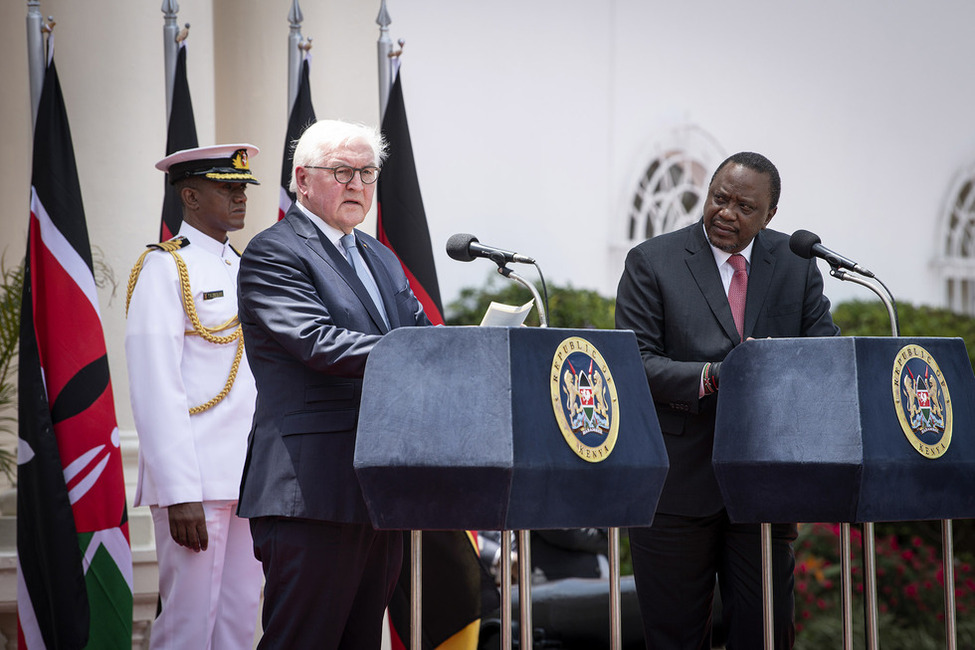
11,288
910,586
859,318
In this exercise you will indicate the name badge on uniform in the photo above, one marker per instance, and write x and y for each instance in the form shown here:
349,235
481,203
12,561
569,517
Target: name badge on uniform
210,295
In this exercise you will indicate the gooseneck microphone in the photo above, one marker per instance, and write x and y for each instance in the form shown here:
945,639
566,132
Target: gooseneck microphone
464,247
807,245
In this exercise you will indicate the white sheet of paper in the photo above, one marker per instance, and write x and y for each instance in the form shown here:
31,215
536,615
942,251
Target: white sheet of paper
502,315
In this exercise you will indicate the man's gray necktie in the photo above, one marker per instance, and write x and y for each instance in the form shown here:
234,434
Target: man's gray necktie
359,264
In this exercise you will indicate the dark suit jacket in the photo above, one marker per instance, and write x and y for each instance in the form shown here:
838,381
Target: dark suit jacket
309,326
671,296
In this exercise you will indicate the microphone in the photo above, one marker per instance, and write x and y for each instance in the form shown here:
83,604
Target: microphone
806,244
464,247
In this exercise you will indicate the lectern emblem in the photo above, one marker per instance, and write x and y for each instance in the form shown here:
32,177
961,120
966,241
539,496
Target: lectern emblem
922,401
584,399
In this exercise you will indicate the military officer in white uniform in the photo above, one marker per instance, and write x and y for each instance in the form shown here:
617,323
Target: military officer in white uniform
193,398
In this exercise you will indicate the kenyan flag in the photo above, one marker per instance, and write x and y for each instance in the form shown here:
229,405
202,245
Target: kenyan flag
73,555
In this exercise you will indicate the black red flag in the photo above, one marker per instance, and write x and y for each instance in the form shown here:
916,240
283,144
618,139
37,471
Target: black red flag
454,580
181,134
455,590
302,116
73,554
401,221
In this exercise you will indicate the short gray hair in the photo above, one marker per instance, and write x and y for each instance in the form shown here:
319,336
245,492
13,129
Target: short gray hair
323,137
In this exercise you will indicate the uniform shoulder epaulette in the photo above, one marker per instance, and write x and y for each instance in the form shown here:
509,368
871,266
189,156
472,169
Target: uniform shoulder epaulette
170,245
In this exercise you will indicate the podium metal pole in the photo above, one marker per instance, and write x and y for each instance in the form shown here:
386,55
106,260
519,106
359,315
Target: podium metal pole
948,563
846,586
505,590
870,586
416,589
767,585
525,589
615,631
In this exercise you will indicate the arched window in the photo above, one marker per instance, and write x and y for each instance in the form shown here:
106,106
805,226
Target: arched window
664,192
957,259
670,192
669,195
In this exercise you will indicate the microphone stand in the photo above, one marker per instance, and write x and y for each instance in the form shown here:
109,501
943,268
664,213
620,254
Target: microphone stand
877,287
511,275
869,540
524,536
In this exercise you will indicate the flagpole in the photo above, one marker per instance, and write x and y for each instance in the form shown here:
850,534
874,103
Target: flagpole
295,18
35,54
385,48
170,9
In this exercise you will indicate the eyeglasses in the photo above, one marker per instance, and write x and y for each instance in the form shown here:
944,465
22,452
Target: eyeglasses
345,174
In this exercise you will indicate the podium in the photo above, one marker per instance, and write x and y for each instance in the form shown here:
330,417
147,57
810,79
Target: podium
849,430
459,430
491,428
819,429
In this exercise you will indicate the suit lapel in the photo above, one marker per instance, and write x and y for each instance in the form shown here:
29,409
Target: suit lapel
700,262
318,243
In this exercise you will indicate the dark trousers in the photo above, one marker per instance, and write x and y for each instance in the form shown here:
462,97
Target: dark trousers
675,563
327,584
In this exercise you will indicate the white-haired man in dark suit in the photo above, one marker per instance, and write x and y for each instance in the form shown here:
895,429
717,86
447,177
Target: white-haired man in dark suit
316,295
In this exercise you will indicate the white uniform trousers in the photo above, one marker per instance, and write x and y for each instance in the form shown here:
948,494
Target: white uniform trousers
209,599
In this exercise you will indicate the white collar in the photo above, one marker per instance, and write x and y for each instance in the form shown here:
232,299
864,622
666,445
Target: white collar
204,241
333,234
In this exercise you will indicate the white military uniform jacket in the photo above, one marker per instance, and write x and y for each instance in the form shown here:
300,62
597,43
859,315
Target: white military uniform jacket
184,458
